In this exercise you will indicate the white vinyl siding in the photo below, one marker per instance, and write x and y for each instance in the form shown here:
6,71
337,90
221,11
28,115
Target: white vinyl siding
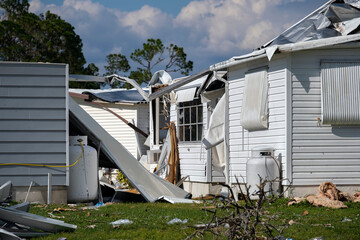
241,140
117,128
320,152
193,155
33,122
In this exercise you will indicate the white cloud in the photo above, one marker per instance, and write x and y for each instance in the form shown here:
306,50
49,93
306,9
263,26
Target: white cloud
208,30
35,5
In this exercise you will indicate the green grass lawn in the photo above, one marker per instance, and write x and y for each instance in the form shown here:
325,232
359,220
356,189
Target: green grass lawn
150,221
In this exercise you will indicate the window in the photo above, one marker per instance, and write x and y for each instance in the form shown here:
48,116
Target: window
190,121
340,92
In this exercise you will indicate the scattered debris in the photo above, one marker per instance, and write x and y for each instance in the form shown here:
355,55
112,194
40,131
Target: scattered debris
120,222
306,212
177,220
91,226
346,220
328,196
291,222
16,222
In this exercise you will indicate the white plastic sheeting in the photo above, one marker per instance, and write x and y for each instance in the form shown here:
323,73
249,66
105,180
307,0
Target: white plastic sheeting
215,135
254,112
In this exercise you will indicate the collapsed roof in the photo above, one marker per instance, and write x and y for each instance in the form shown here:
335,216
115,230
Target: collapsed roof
336,22
113,95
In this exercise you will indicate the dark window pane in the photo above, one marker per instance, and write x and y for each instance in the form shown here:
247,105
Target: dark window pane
193,133
181,116
187,133
200,114
193,115
187,115
199,130
181,133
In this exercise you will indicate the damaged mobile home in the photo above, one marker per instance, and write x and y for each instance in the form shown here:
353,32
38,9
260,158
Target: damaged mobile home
295,99
38,117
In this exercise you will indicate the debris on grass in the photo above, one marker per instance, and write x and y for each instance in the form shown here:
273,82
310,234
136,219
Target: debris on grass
328,196
177,220
346,220
120,222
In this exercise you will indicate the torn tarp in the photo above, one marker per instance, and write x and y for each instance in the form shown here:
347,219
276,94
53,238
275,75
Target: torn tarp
150,186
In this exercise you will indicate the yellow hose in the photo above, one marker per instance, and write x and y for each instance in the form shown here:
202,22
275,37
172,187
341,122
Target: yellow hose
45,165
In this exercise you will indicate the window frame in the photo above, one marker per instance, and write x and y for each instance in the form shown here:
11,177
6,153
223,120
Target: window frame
181,108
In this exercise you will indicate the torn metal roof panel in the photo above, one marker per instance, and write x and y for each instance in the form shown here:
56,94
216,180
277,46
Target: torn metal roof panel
5,235
35,221
150,186
179,84
323,27
114,95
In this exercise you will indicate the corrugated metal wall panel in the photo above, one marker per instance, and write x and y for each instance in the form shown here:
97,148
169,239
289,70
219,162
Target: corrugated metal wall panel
322,152
33,127
340,92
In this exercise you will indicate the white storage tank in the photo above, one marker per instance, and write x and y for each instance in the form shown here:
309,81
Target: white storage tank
263,164
83,186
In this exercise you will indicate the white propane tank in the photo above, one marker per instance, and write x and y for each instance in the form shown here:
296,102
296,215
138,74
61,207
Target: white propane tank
264,165
83,184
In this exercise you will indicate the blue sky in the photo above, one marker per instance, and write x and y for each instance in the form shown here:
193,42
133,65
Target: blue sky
210,31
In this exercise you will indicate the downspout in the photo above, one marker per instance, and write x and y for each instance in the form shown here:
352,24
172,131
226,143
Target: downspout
226,137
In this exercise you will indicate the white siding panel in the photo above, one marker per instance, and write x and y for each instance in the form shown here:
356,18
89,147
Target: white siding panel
241,142
117,128
33,122
320,153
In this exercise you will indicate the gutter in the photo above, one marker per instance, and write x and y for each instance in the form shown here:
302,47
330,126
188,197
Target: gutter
292,47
